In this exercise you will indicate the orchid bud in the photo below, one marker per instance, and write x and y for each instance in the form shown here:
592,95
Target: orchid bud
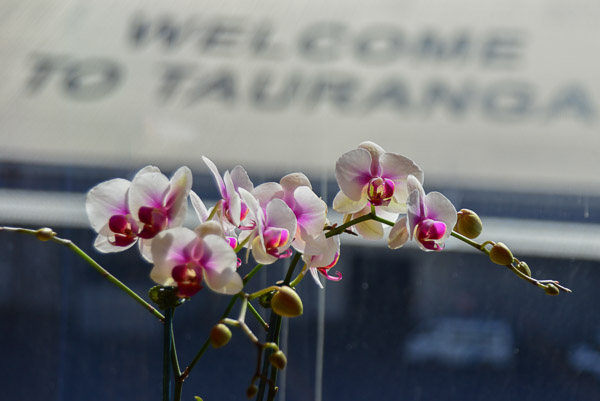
251,391
220,335
45,234
551,289
278,360
286,302
524,268
501,255
468,224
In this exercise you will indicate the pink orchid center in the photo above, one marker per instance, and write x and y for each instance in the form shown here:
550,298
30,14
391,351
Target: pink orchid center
124,228
155,220
428,231
232,241
380,191
243,212
275,238
188,278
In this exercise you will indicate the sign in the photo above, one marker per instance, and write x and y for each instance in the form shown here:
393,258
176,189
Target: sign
501,95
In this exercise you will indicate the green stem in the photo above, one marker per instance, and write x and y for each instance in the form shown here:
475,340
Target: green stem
206,344
167,349
69,244
273,334
469,241
258,317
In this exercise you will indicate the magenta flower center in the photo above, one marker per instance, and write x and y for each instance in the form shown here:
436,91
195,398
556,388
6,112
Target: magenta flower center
428,232
155,220
189,279
275,238
380,191
124,228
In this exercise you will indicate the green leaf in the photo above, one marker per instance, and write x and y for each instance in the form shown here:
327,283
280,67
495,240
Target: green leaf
198,398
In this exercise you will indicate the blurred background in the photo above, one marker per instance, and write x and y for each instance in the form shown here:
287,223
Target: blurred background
498,103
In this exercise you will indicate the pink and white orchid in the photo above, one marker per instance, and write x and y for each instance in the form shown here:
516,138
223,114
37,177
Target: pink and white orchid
185,258
121,211
429,219
296,191
157,203
370,176
320,255
231,207
273,229
109,214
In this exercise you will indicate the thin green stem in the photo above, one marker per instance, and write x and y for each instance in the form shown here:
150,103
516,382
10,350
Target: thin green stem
468,241
167,349
258,317
273,336
69,244
340,229
206,344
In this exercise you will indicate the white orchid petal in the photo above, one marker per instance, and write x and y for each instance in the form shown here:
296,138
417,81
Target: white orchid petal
343,204
398,234
279,214
441,209
148,189
219,264
353,172
199,207
310,210
180,186
106,200
215,172
290,182
266,192
315,276
240,179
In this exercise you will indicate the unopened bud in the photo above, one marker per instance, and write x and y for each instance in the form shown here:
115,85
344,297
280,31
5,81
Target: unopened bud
524,268
286,302
278,360
468,223
251,391
500,254
45,234
220,335
551,289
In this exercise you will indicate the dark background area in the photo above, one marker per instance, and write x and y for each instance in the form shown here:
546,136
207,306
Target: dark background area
68,334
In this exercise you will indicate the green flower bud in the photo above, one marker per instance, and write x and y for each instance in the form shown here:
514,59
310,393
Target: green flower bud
164,297
551,289
501,255
287,303
45,234
251,391
220,335
278,360
468,223
524,268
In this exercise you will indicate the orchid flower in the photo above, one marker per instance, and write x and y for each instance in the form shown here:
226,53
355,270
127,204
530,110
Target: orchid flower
274,229
296,191
157,203
430,219
232,207
370,176
320,255
186,258
110,214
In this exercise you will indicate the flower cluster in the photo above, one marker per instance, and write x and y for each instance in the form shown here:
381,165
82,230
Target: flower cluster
270,220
